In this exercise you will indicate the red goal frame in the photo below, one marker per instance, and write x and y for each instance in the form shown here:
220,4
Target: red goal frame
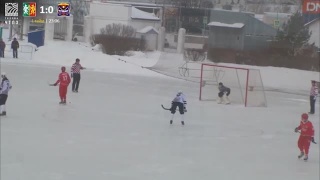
236,68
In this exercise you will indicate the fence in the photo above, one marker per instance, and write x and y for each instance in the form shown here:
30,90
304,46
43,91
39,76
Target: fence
25,51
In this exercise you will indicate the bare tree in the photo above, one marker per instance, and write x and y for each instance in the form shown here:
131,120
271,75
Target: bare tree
207,4
118,30
257,7
286,9
194,55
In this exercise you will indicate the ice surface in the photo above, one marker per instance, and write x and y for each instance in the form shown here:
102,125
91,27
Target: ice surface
114,128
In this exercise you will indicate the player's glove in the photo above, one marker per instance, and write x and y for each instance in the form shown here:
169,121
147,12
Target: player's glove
71,75
296,130
312,140
184,109
315,98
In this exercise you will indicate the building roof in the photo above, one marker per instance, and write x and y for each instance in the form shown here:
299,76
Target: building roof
251,24
219,24
148,30
139,14
276,14
259,16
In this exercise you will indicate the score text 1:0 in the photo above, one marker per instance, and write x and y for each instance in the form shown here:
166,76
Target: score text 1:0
45,10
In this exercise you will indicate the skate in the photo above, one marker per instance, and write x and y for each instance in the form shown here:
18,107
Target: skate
306,158
220,101
182,122
227,101
171,121
4,113
301,155
63,102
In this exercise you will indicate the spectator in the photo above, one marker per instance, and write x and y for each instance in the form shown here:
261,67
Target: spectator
15,47
313,96
2,47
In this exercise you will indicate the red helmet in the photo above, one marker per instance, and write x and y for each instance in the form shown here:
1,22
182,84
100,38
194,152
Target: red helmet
63,69
304,116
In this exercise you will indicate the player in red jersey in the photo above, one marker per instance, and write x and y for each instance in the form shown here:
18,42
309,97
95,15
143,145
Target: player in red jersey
63,81
306,136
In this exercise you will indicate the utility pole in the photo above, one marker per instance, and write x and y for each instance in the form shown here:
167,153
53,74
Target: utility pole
21,29
10,32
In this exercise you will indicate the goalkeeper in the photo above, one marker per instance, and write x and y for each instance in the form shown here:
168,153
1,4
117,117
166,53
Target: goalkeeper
223,94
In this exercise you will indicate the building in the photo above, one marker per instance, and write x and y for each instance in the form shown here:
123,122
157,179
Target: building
150,35
136,15
314,27
239,31
223,32
276,19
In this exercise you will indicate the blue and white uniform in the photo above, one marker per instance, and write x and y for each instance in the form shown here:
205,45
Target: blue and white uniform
5,87
179,101
181,98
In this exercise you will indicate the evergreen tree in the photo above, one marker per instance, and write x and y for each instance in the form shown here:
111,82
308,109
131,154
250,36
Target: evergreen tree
294,34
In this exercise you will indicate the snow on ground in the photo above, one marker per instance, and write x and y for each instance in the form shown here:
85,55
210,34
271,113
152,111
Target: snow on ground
284,78
65,53
114,128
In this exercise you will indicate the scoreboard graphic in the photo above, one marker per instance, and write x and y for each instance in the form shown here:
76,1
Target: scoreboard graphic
11,9
29,9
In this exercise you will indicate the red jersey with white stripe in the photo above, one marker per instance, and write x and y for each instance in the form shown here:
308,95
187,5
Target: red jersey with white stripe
64,79
306,128
314,90
76,68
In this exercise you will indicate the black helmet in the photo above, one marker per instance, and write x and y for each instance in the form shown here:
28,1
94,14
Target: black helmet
220,83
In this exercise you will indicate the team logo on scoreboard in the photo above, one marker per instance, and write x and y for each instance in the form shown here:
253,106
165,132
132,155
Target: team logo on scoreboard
29,9
63,9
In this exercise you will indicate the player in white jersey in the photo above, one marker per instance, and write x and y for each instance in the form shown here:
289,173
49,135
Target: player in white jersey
180,102
5,87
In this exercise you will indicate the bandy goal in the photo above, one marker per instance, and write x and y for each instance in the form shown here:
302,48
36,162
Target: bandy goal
245,84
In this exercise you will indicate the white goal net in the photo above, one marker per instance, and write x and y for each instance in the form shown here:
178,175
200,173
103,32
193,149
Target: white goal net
245,84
